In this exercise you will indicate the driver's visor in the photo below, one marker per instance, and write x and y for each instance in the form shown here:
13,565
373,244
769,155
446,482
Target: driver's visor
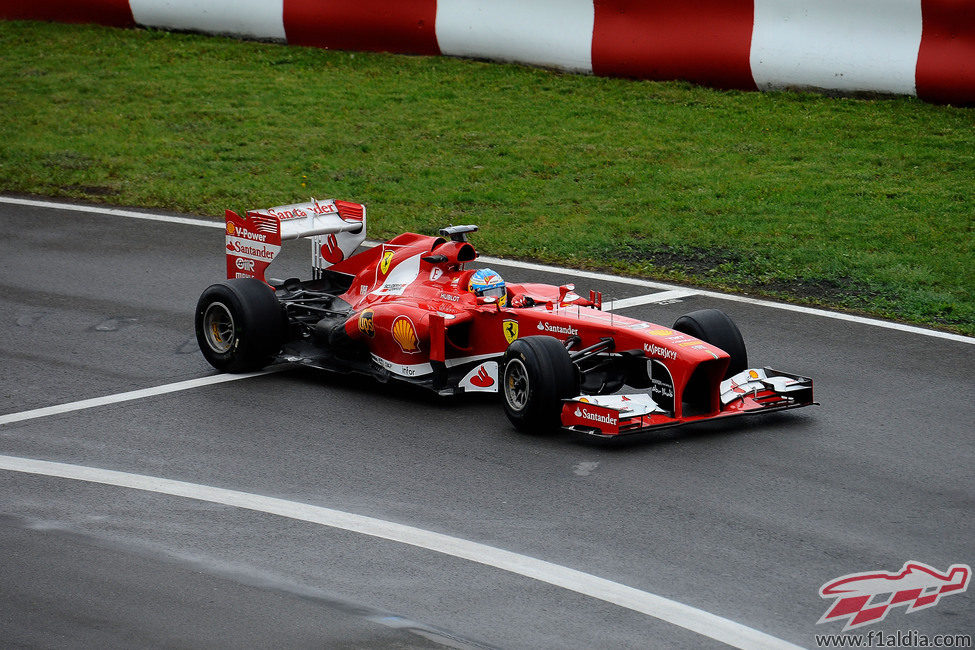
496,291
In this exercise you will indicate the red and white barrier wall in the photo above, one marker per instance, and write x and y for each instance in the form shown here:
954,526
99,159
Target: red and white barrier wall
909,47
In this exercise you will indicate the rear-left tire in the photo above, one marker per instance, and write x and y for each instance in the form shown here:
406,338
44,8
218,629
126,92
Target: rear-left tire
240,325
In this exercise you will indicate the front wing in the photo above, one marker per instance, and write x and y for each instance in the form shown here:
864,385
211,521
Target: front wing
757,390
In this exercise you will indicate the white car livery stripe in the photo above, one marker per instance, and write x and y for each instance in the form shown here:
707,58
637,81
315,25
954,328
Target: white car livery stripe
420,369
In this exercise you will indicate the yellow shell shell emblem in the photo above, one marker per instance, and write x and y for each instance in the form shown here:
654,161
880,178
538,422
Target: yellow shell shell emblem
385,262
231,228
404,333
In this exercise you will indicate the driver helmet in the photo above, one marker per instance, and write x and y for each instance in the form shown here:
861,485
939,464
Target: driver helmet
485,282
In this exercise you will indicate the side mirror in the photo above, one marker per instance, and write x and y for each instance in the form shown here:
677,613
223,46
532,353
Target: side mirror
565,290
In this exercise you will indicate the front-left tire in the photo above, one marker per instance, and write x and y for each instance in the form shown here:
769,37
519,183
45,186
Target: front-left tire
240,325
537,374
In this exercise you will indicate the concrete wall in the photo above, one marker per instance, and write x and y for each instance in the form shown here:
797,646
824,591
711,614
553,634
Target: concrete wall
906,47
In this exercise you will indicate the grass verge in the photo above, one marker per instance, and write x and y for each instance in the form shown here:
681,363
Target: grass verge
861,205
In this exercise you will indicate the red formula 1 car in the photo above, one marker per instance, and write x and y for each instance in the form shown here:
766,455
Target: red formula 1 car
409,310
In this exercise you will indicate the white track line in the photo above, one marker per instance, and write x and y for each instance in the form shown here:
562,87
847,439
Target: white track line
131,395
604,277
577,273
113,212
662,296
811,311
690,618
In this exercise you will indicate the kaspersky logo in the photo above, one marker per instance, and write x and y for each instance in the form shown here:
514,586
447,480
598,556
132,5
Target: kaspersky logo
866,598
653,350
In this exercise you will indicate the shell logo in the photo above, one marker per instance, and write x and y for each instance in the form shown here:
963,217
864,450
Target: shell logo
385,262
404,333
231,228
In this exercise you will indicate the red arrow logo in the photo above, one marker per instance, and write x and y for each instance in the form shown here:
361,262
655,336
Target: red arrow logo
482,379
331,252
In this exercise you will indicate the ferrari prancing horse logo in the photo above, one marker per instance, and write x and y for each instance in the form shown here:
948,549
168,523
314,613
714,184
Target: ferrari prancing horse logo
510,328
385,262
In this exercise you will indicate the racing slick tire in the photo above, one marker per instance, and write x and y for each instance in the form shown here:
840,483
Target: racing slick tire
715,327
239,325
537,374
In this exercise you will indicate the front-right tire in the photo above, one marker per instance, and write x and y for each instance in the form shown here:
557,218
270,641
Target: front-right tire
240,325
537,374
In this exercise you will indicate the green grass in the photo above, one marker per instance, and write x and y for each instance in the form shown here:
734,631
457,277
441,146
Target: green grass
863,205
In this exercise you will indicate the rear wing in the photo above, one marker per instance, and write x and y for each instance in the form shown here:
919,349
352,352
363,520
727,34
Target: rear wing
336,228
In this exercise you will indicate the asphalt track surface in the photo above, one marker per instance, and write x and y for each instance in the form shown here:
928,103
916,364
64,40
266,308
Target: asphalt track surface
744,520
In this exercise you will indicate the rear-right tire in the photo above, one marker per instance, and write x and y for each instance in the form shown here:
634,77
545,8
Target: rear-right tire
537,374
239,325
715,327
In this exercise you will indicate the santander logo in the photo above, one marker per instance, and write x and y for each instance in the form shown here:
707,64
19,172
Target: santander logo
482,379
595,417
331,252
557,329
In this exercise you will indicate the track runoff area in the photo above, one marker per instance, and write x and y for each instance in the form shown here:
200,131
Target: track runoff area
685,616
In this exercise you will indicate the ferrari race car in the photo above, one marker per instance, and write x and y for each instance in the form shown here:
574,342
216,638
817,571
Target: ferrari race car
410,310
